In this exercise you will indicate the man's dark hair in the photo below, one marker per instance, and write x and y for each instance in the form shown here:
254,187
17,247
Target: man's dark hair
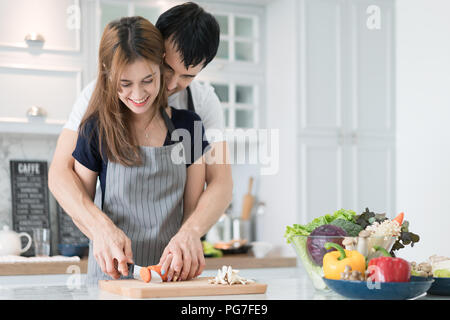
194,32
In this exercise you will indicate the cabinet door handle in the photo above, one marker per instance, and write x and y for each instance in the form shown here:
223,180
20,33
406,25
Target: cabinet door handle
340,137
354,136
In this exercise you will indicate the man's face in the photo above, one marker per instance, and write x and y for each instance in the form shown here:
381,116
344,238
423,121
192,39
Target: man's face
176,75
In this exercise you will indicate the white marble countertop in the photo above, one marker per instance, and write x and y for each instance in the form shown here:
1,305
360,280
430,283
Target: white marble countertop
283,284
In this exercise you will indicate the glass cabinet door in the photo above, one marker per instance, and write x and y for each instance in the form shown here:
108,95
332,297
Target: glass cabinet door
223,52
238,38
111,11
245,106
243,27
223,24
238,102
244,118
150,13
244,94
221,91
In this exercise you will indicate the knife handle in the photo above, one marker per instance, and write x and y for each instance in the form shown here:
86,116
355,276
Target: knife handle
130,268
129,265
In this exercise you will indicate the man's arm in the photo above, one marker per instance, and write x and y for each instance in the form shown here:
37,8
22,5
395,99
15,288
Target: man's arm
67,188
219,191
218,194
211,205
71,194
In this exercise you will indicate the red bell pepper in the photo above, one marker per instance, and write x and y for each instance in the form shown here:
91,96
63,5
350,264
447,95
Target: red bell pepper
388,269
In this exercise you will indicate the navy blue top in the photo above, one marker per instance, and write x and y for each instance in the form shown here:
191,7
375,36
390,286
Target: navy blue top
87,151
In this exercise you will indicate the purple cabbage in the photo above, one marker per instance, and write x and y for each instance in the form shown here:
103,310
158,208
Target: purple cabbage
315,243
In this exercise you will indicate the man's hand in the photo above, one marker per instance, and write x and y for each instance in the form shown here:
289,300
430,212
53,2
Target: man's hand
112,250
183,257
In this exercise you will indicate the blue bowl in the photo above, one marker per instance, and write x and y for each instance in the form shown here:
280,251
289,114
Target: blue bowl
70,250
440,286
380,291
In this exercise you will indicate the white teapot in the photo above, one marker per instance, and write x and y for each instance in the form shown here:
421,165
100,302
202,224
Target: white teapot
10,243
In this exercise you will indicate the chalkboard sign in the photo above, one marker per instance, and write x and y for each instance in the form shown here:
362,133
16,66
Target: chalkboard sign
68,232
30,203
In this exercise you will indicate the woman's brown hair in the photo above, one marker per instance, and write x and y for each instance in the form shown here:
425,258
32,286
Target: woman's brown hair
123,41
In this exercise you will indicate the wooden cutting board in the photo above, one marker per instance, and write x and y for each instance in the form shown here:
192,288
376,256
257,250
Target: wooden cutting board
196,287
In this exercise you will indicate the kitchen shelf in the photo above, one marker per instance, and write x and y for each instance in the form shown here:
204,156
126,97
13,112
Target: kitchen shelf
24,125
237,261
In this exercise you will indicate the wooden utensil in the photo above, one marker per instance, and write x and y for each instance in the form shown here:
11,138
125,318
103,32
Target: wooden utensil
247,203
195,287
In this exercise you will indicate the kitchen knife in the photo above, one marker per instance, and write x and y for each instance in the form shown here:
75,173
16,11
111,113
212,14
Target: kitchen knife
137,272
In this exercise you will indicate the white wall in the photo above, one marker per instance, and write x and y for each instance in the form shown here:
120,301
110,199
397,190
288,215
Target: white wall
423,123
279,191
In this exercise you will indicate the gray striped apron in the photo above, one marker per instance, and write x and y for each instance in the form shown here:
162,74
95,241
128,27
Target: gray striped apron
145,202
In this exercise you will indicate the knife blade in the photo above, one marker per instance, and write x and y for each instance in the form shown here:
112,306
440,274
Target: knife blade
135,271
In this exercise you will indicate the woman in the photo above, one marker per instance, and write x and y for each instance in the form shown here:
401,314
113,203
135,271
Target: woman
125,139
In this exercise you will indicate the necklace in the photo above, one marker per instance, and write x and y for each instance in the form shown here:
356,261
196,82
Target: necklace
147,132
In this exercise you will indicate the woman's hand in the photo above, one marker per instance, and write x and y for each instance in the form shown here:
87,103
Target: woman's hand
183,257
112,250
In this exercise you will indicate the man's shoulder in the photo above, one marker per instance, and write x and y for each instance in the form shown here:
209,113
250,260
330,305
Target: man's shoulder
88,90
205,98
200,90
82,101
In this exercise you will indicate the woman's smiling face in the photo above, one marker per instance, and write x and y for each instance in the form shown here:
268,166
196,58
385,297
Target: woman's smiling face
139,85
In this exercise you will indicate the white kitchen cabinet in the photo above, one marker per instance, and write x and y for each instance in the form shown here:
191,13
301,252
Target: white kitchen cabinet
47,71
53,89
346,134
58,22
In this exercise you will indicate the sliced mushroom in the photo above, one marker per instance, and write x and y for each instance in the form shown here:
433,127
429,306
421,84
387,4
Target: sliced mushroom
227,275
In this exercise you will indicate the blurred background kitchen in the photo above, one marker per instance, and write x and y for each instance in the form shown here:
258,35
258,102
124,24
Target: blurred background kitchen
357,89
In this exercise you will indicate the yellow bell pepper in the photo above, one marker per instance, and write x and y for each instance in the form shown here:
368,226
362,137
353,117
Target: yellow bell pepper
334,262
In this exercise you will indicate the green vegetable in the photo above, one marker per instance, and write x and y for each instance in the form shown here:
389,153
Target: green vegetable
314,271
405,238
305,230
208,249
441,273
350,227
368,217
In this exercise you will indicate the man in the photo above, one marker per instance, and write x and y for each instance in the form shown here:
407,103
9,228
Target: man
191,41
